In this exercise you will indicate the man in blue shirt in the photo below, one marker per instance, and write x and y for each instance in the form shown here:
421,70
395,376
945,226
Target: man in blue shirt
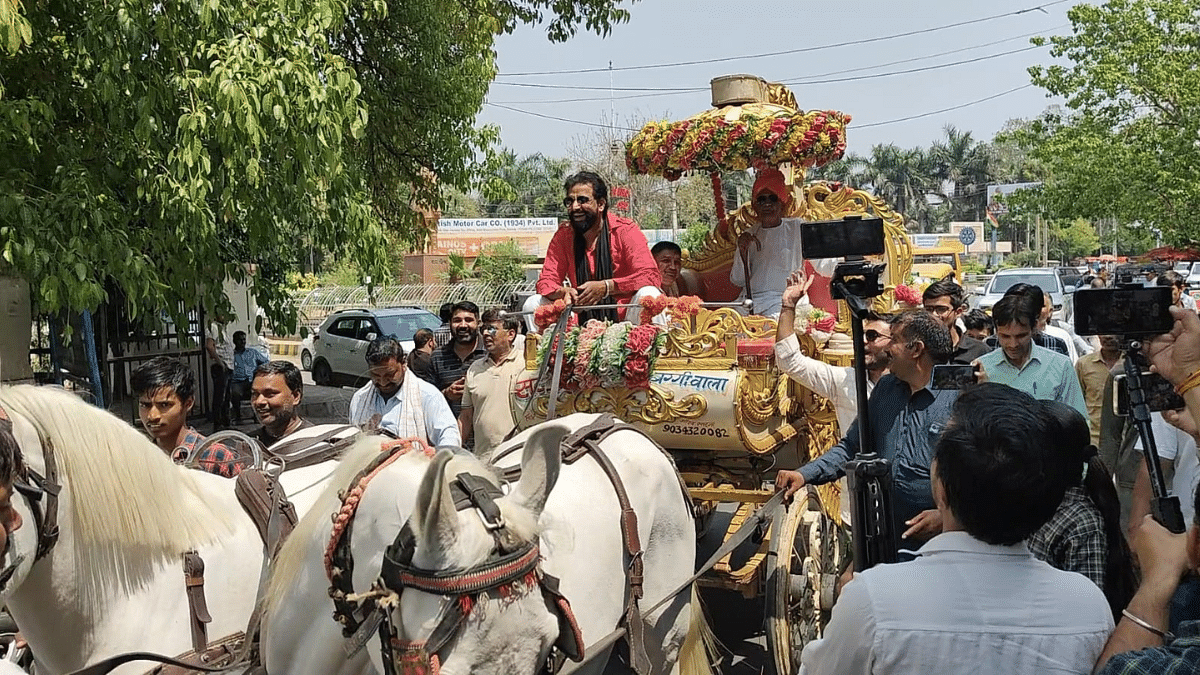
907,416
1037,371
245,362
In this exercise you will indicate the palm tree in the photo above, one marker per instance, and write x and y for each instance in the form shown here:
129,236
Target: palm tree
903,178
963,166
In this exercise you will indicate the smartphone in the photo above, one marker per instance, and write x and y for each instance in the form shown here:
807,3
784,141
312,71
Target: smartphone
954,376
1160,394
841,238
1123,311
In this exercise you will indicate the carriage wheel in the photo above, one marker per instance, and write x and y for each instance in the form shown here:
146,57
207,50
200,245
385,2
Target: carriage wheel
802,567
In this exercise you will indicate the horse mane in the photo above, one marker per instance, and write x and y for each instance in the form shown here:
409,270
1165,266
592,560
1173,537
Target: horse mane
131,507
293,555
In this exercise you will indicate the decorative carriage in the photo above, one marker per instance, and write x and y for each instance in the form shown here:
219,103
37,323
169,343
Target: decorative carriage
715,398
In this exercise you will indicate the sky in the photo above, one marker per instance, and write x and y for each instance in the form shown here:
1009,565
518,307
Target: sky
675,31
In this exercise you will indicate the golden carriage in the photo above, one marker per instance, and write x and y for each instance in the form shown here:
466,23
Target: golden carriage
729,417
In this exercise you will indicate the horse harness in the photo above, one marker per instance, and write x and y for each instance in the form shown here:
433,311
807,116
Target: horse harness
262,497
41,494
509,565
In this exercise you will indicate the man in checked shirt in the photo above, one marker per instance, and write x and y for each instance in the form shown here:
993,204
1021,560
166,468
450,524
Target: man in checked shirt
166,392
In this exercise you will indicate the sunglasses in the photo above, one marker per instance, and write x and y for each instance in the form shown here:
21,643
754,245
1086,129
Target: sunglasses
490,330
873,335
567,202
767,198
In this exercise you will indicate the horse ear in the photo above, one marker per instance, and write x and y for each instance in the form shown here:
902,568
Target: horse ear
435,517
540,465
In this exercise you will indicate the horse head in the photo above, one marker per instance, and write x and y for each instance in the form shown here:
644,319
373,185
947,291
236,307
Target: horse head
469,571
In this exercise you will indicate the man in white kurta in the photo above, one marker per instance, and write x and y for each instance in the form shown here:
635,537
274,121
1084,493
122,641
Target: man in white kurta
771,249
399,401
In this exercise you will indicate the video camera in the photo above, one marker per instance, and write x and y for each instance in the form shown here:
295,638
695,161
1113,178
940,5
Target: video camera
852,238
1127,310
1131,312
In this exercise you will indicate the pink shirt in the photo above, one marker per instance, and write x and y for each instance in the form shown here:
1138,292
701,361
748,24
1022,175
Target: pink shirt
633,266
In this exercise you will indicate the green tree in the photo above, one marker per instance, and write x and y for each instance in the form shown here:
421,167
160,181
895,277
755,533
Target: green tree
151,150
964,166
1125,147
903,178
1072,239
502,263
526,187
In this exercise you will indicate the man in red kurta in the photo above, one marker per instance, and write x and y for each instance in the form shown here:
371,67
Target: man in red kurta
590,269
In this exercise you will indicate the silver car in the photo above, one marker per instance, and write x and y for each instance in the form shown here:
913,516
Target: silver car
1045,278
340,344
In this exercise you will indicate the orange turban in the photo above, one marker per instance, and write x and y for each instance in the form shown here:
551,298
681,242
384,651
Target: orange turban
771,180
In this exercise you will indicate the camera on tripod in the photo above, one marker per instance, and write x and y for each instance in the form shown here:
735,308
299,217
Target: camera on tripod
852,238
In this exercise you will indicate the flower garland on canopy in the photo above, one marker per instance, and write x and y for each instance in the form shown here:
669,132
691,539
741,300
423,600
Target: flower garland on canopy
716,143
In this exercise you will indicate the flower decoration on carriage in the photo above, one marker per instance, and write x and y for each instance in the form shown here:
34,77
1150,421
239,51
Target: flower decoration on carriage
815,322
715,141
686,305
547,315
907,297
600,354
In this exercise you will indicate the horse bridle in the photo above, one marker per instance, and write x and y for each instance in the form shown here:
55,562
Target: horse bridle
510,562
40,493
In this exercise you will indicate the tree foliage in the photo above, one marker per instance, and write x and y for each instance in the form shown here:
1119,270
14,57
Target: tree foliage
501,263
1126,145
151,150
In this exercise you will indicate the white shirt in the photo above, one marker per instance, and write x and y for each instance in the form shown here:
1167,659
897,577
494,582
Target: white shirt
770,266
834,383
963,606
1179,447
1062,334
440,426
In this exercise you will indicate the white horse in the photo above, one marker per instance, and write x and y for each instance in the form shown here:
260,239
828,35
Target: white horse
113,583
571,510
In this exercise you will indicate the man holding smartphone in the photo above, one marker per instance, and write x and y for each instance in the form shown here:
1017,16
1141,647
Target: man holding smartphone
907,416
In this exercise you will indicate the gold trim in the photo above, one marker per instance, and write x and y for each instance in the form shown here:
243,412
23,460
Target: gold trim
649,406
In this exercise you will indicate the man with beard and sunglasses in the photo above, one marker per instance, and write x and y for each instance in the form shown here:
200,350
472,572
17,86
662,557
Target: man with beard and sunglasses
595,258
770,251
451,360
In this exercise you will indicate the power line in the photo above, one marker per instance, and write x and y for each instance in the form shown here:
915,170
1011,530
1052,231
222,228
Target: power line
923,31
552,117
794,82
851,127
938,112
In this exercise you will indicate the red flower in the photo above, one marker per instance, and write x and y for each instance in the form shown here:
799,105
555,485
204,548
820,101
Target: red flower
908,295
637,368
825,324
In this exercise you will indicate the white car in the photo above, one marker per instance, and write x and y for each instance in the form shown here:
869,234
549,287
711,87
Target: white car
1045,278
306,353
340,344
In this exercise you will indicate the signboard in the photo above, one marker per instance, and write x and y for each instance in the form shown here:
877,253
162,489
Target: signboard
966,236
470,247
497,224
997,207
924,240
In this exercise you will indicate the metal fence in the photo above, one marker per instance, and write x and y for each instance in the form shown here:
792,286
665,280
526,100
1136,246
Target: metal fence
314,305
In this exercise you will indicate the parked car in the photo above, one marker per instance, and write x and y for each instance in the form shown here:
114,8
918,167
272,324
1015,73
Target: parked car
340,344
306,353
1046,278
1071,276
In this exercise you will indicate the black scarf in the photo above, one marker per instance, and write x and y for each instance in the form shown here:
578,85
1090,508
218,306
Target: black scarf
604,270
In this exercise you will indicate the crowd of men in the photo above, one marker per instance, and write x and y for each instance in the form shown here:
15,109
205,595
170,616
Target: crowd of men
1016,499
